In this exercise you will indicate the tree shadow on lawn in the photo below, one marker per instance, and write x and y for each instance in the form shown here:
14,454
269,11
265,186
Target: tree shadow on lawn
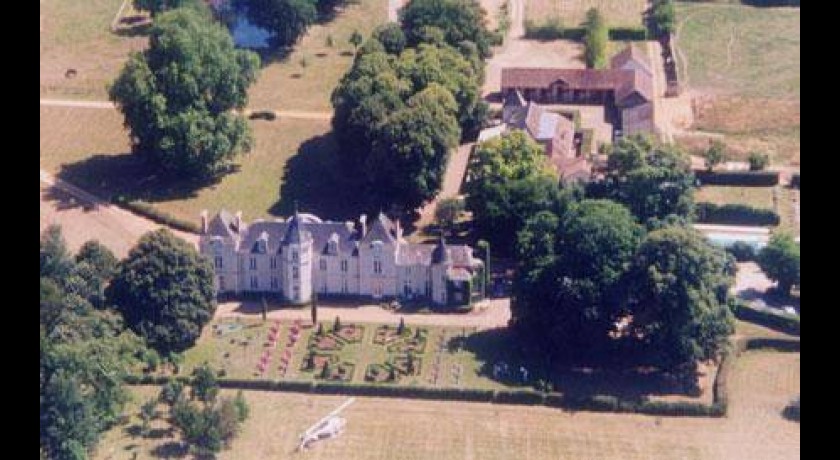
314,180
127,175
621,374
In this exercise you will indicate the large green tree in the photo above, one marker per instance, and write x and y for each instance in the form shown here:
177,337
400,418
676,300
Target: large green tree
164,290
569,277
653,180
678,293
409,155
459,20
508,181
780,261
397,117
177,96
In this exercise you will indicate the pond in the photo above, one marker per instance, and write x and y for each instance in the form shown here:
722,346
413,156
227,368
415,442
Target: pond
234,14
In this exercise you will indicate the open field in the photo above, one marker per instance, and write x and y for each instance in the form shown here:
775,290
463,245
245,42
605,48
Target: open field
623,13
285,84
76,35
380,428
89,148
759,197
742,66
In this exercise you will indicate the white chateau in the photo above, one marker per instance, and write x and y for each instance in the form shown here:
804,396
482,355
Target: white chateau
297,257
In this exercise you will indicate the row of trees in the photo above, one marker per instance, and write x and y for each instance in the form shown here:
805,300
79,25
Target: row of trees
97,318
411,94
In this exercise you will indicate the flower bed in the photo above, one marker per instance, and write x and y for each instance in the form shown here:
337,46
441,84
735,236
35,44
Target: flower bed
325,343
400,363
415,345
380,373
351,333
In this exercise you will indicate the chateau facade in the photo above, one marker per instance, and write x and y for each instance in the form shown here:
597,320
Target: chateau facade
303,255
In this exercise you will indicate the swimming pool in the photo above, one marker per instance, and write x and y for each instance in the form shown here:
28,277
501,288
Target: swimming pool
728,239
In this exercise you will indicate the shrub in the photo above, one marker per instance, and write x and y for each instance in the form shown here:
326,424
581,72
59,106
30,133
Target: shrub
742,251
148,211
739,178
735,214
758,161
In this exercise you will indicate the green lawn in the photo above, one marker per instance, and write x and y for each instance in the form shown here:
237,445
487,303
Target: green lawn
758,197
285,84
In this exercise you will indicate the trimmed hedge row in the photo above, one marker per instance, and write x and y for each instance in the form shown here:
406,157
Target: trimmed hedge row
784,323
735,214
739,178
600,403
147,210
553,30
628,33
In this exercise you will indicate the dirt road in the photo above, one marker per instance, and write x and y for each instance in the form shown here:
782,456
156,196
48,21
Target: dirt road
83,217
489,314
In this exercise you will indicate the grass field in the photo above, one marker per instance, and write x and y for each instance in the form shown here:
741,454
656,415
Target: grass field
386,428
89,148
76,35
758,197
286,84
623,13
380,428
743,63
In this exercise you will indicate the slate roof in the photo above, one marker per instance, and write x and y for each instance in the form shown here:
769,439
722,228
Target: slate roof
623,82
320,232
382,229
631,54
224,224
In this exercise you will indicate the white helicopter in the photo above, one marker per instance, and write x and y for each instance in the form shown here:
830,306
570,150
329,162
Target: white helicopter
328,427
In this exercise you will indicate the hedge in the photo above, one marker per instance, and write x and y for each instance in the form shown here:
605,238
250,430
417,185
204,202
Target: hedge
527,396
551,30
788,324
628,33
149,211
599,403
794,181
735,214
739,178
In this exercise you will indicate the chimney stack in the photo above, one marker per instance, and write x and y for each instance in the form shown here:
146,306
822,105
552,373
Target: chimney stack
363,221
238,221
203,221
